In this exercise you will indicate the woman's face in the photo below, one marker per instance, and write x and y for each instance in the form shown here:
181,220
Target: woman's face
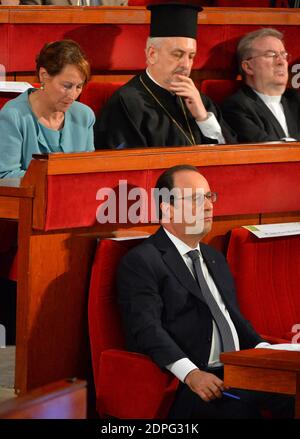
62,89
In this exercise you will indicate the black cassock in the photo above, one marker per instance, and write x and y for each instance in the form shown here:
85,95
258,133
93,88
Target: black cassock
133,118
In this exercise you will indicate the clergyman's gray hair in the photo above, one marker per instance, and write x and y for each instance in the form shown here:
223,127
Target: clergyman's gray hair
153,42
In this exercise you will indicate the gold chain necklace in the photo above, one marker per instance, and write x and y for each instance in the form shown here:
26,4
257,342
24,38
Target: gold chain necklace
190,139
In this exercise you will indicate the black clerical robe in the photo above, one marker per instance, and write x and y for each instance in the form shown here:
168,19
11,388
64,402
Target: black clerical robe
141,113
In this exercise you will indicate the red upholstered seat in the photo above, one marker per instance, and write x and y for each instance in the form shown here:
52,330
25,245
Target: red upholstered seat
249,3
128,385
137,2
219,89
96,94
267,276
6,96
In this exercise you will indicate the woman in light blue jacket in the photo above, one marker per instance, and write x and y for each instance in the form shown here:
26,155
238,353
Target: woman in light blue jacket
48,119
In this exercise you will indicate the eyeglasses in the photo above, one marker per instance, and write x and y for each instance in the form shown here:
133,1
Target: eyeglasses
210,196
272,54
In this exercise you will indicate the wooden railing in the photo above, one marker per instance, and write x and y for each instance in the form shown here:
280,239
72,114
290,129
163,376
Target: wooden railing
140,15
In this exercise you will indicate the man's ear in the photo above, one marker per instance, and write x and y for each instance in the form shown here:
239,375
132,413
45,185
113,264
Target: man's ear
246,67
152,55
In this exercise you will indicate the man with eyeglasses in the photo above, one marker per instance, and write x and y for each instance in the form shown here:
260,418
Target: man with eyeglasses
263,109
178,304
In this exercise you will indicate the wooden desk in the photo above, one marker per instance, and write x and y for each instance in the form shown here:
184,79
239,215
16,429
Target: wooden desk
55,205
264,369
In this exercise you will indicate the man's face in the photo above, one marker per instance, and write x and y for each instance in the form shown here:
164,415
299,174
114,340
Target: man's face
196,211
265,73
174,56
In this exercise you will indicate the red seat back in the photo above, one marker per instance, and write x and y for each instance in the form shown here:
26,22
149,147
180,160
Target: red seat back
252,3
6,96
105,326
96,94
137,2
267,276
219,89
128,385
243,3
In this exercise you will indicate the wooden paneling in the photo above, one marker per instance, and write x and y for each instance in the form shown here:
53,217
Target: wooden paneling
264,370
52,308
10,195
257,379
9,207
4,14
152,158
139,15
64,399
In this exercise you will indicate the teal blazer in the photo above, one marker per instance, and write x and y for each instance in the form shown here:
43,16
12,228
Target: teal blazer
21,135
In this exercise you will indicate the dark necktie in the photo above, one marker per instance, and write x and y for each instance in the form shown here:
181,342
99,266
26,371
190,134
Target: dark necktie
218,316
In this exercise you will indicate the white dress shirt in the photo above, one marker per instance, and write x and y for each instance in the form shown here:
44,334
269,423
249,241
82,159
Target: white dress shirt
274,104
183,366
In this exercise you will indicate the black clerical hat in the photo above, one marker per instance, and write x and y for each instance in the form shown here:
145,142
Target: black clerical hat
174,19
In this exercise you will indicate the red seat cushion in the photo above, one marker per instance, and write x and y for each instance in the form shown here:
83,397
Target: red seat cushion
219,89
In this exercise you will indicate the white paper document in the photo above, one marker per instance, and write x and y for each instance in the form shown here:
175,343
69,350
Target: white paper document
273,230
14,86
282,346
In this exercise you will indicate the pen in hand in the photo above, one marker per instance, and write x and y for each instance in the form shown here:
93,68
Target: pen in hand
230,395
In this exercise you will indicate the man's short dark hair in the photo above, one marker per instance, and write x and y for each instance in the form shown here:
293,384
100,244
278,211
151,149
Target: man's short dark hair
166,181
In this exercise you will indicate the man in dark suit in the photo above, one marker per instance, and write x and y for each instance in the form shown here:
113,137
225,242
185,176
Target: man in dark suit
166,314
263,109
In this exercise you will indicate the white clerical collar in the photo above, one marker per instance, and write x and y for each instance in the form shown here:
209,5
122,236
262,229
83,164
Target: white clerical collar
181,246
269,99
152,79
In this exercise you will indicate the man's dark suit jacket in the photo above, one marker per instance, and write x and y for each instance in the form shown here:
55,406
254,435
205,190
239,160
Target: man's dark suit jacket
162,309
253,121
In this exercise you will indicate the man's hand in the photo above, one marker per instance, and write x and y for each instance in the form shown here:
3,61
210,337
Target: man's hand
205,384
185,87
